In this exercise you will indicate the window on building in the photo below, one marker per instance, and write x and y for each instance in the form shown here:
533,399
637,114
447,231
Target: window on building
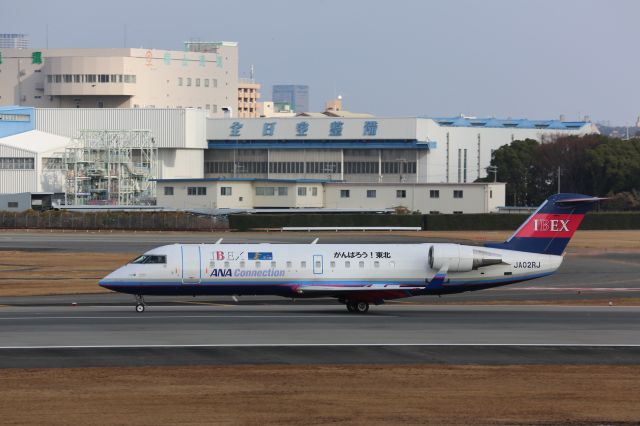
434,193
52,163
188,81
314,191
345,193
197,82
197,190
457,193
267,191
371,193
67,78
491,193
179,81
225,190
457,212
12,204
16,163
283,190
103,78
302,191
434,212
206,82
401,193
168,190
215,82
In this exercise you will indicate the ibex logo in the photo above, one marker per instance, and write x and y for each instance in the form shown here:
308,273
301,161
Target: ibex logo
553,225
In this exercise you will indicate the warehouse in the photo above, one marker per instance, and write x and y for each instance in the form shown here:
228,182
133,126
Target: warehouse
32,161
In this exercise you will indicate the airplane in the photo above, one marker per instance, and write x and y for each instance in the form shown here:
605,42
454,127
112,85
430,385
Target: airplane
357,275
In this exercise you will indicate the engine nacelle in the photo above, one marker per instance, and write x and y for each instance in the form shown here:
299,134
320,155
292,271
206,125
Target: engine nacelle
460,258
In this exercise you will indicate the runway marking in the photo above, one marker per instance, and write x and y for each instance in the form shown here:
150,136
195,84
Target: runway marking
294,345
594,289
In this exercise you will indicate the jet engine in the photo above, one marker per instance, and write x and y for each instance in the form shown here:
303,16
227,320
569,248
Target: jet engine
460,258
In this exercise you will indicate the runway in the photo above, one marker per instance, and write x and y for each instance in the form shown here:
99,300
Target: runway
96,336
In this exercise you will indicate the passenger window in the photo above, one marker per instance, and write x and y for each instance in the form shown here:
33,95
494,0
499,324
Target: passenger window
273,264
376,264
289,264
333,264
226,264
392,264
257,265
242,264
347,264
318,265
361,264
303,264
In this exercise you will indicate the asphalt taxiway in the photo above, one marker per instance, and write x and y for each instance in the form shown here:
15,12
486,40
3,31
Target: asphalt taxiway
97,336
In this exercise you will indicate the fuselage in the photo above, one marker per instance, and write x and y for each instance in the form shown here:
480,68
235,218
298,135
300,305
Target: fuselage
286,269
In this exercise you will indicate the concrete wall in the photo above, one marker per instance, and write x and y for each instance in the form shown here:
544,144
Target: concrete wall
23,199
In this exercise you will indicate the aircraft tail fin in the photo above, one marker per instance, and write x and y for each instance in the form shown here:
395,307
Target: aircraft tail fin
549,229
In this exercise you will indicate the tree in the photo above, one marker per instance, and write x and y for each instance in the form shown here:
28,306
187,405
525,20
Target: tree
515,163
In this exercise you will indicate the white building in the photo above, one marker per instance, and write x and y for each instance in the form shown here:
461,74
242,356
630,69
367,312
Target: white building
248,193
32,162
384,155
203,76
368,149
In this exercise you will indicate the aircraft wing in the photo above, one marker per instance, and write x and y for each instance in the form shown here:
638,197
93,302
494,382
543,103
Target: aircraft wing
355,288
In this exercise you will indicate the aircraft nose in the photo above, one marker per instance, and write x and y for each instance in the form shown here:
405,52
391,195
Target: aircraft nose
110,278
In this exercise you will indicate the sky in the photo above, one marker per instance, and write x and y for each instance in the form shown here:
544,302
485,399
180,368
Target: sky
533,59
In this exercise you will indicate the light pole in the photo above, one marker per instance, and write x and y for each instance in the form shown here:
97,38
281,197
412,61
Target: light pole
494,170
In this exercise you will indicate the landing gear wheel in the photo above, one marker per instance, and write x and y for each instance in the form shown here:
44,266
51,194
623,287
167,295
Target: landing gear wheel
351,307
139,303
362,307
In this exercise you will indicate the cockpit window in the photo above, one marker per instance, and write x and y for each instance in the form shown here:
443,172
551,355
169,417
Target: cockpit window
150,258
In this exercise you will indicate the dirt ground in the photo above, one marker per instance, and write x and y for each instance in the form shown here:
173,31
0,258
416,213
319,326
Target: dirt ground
41,273
294,395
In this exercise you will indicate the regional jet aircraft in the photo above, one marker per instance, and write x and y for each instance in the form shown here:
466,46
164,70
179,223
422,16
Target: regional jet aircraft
356,274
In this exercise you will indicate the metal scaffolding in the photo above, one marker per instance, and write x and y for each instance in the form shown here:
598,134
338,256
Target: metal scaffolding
111,167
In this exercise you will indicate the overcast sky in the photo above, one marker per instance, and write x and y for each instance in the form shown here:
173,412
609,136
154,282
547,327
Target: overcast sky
508,58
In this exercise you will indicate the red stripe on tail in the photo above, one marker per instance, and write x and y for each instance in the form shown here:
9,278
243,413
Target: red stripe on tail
546,225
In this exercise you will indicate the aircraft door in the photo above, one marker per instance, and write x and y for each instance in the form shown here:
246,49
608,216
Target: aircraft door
191,264
318,267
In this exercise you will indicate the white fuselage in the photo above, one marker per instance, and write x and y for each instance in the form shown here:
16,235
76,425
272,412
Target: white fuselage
282,268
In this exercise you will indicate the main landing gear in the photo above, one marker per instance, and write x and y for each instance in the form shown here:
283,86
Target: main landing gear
357,307
140,305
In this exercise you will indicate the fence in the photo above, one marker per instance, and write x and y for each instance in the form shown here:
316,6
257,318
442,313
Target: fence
162,221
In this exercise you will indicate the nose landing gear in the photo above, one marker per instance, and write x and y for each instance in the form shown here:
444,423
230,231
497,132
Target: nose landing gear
140,305
357,307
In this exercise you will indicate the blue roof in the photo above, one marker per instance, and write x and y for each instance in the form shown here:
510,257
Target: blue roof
16,119
223,179
519,123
